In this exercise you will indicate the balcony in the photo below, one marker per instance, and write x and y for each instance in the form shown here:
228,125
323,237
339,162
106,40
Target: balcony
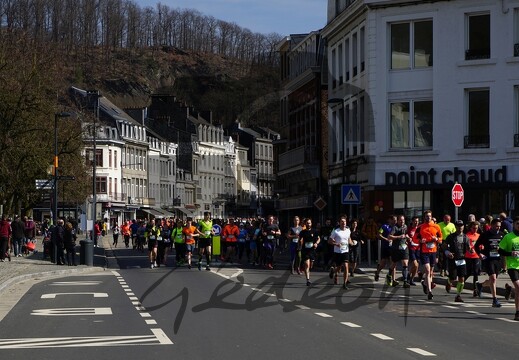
113,197
476,142
304,155
516,49
266,177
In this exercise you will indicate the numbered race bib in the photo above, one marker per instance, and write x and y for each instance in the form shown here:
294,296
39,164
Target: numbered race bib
159,238
207,233
270,237
494,253
296,240
430,245
459,262
402,247
152,237
344,246
242,240
309,245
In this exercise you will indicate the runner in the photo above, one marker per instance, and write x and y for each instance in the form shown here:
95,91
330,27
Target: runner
472,258
429,235
270,233
125,231
189,233
487,247
230,235
399,252
206,232
414,250
509,248
455,247
308,240
385,247
341,241
293,237
152,232
179,242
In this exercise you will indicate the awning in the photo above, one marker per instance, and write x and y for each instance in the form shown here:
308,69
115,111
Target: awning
167,213
185,211
152,212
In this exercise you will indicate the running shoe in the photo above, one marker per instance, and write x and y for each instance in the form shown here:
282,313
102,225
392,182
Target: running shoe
412,283
189,266
332,271
376,276
433,285
388,280
458,299
406,285
199,266
424,287
516,318
508,291
208,268
496,303
394,283
344,286
448,287
479,287
308,283
429,296
475,293
335,280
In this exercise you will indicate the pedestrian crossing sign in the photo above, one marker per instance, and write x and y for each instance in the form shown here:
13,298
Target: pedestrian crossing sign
350,194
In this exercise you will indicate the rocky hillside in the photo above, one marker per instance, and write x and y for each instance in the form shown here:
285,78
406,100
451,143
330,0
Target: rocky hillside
226,86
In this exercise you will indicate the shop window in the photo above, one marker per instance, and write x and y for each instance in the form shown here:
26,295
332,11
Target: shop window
411,125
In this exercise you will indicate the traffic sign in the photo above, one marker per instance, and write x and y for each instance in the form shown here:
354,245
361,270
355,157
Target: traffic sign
66,177
320,204
350,194
217,229
458,195
44,184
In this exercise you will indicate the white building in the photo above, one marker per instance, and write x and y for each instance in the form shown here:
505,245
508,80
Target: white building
423,95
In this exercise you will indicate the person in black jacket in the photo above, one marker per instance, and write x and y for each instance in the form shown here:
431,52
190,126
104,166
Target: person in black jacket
59,241
455,246
69,243
17,235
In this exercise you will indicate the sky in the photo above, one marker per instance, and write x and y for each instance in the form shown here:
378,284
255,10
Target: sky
284,17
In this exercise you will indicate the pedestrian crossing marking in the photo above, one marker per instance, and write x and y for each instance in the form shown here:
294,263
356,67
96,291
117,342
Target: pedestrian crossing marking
158,338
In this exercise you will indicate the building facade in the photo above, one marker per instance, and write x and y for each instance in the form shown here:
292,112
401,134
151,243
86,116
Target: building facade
423,95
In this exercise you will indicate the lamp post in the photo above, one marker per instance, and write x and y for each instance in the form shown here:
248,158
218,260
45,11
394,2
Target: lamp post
56,163
96,95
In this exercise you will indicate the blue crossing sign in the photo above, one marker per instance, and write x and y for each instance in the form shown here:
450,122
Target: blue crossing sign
350,194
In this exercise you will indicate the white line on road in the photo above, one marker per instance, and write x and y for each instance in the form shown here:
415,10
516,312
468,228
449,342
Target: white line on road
302,307
75,283
421,352
382,336
352,325
324,315
145,315
151,322
476,313
450,307
94,294
508,320
161,337
286,300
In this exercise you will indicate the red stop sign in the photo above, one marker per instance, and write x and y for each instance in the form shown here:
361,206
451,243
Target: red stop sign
458,195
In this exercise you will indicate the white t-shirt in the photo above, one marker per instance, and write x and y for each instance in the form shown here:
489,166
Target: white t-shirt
341,238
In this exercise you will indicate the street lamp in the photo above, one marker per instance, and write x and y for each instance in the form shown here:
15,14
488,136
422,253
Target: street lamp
56,163
94,93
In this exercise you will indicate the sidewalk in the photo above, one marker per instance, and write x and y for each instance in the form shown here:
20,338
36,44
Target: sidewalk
33,266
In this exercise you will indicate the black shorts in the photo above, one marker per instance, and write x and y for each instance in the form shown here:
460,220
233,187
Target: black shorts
152,244
428,258
492,265
231,243
456,271
308,254
414,254
340,258
473,267
204,242
354,254
514,274
385,252
399,255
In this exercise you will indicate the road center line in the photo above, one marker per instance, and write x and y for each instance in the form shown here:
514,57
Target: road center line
421,352
352,325
382,336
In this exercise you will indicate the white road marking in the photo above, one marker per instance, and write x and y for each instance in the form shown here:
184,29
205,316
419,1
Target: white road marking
133,298
246,285
382,336
324,315
145,315
75,283
161,336
73,312
476,313
158,338
352,325
302,307
127,290
450,307
151,322
508,320
136,303
94,294
421,352
286,300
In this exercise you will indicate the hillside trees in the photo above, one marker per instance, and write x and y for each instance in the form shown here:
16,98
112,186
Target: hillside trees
28,78
82,24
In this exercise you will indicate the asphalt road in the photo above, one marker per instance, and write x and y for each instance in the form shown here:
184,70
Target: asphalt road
233,313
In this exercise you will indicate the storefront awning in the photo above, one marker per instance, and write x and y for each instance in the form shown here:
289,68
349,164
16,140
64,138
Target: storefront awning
184,210
152,212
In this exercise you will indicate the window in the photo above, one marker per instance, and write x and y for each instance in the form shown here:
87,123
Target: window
478,118
354,52
516,114
478,32
110,158
101,186
362,49
411,125
516,32
411,45
411,203
90,160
